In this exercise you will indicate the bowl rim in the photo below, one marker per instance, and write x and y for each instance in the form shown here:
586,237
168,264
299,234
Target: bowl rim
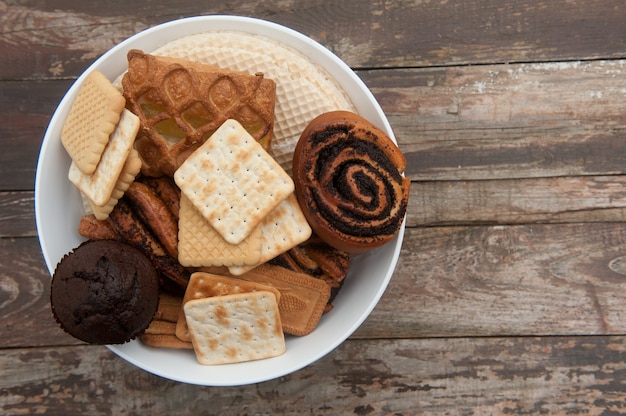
150,39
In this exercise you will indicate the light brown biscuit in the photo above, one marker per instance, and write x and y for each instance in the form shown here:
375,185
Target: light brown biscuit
161,333
235,328
233,181
160,327
129,173
205,285
169,308
302,298
200,245
92,118
94,229
285,227
98,186
165,341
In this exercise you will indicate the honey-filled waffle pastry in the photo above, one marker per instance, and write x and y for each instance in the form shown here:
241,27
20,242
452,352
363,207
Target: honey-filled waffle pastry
304,90
181,103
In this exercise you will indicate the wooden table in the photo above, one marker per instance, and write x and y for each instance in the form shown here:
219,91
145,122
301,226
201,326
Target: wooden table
510,293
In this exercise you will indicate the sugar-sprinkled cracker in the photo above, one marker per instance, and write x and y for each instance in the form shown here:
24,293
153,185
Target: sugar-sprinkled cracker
235,328
233,181
206,285
282,229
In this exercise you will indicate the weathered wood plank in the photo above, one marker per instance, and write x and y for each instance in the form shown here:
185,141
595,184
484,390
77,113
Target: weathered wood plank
536,200
487,122
25,297
507,121
436,203
558,279
458,376
17,217
566,279
26,109
364,34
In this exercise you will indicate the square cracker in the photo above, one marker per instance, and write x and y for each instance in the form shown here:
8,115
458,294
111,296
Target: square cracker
98,187
129,173
235,328
95,112
199,245
233,181
205,285
282,229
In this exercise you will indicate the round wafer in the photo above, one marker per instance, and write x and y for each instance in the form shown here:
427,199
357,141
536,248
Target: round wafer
303,89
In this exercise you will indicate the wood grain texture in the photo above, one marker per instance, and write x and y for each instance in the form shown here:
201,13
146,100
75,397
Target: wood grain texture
461,123
17,214
507,121
25,297
534,279
526,280
562,375
509,294
69,36
507,201
26,108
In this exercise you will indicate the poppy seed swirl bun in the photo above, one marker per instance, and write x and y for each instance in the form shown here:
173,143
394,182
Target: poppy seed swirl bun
349,183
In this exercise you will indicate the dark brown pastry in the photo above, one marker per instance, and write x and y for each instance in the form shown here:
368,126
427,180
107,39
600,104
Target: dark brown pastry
155,214
134,224
104,292
349,183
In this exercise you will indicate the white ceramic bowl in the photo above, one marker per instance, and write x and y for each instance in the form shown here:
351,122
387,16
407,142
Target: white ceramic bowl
58,209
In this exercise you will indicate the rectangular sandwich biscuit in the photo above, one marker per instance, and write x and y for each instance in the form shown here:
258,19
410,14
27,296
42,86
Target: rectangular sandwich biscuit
98,186
303,298
131,169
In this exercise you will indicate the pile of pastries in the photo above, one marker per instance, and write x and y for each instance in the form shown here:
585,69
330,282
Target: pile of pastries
241,184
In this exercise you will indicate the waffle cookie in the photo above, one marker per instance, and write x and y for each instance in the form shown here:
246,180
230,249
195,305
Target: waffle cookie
181,103
93,117
303,89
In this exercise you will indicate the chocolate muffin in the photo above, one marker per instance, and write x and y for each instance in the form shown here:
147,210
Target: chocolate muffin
104,292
